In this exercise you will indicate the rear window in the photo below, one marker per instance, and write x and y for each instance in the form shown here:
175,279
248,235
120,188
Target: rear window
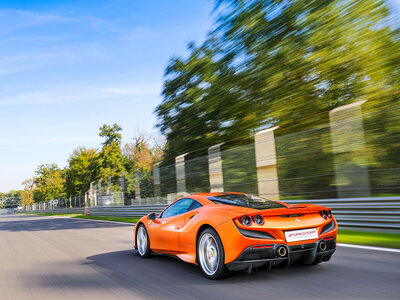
245,200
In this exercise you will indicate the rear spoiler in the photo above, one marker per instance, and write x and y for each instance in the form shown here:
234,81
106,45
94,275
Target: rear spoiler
289,210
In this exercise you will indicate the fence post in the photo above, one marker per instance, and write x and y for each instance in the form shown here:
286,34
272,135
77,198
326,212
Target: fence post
180,174
215,168
157,179
137,184
108,192
122,183
349,151
99,186
267,173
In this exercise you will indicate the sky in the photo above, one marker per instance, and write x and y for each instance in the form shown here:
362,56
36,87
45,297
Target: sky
67,67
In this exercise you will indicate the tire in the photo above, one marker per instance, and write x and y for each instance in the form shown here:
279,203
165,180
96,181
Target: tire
143,242
211,255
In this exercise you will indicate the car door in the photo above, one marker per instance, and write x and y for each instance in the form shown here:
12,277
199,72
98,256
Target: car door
164,230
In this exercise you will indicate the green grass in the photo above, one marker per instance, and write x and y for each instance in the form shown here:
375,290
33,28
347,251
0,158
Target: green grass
47,214
116,219
378,239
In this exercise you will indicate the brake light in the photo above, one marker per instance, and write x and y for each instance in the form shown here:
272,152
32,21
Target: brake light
326,214
258,219
245,220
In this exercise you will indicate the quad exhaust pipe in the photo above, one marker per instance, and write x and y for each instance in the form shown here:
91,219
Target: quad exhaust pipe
322,246
281,251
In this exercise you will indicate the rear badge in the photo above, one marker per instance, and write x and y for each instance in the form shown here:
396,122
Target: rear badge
297,220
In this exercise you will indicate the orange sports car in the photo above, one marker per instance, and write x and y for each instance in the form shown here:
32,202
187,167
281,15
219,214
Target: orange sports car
223,232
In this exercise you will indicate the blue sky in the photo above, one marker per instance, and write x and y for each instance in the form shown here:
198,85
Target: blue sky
67,67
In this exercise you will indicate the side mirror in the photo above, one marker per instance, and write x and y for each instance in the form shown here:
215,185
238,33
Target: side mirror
152,216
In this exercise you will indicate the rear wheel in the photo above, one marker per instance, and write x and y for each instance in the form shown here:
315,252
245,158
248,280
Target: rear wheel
142,241
211,255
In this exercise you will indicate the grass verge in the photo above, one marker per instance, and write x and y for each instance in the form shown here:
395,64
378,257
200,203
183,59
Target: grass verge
116,219
48,214
378,239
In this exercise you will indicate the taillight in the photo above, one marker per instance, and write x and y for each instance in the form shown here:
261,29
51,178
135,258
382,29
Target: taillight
245,220
258,219
326,214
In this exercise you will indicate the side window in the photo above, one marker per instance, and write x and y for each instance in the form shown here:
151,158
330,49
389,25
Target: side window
177,208
194,205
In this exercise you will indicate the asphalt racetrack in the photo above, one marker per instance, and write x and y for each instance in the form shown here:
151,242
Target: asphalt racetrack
63,258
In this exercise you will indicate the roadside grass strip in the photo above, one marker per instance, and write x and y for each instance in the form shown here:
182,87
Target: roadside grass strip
114,219
49,214
376,239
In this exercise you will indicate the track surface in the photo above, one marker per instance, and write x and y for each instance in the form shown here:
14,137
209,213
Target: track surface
62,258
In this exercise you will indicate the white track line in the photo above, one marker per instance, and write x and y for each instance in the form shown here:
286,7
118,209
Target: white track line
369,247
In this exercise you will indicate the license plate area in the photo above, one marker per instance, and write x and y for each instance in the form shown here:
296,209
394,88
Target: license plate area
301,235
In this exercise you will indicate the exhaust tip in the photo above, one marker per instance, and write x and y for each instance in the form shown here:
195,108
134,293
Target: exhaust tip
281,251
322,246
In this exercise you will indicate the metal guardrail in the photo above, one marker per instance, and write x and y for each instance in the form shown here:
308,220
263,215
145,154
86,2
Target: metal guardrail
134,211
373,213
376,213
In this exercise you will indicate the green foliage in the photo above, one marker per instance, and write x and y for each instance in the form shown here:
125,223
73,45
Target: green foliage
287,63
110,161
111,134
87,165
49,182
276,62
114,219
82,169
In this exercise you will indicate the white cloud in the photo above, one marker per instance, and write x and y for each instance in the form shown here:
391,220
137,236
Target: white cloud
139,32
15,19
72,94
131,90
31,61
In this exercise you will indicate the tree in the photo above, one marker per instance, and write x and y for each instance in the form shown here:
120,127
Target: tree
276,62
196,94
82,170
28,191
111,161
49,182
140,156
111,134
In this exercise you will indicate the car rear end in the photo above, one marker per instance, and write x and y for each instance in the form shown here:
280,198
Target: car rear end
280,236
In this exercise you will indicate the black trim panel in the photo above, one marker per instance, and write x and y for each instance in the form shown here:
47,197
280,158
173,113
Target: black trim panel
255,233
328,227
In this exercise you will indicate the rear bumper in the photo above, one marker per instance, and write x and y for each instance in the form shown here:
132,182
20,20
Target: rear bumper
266,255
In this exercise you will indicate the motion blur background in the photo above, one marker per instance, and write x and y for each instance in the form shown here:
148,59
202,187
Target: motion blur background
290,100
